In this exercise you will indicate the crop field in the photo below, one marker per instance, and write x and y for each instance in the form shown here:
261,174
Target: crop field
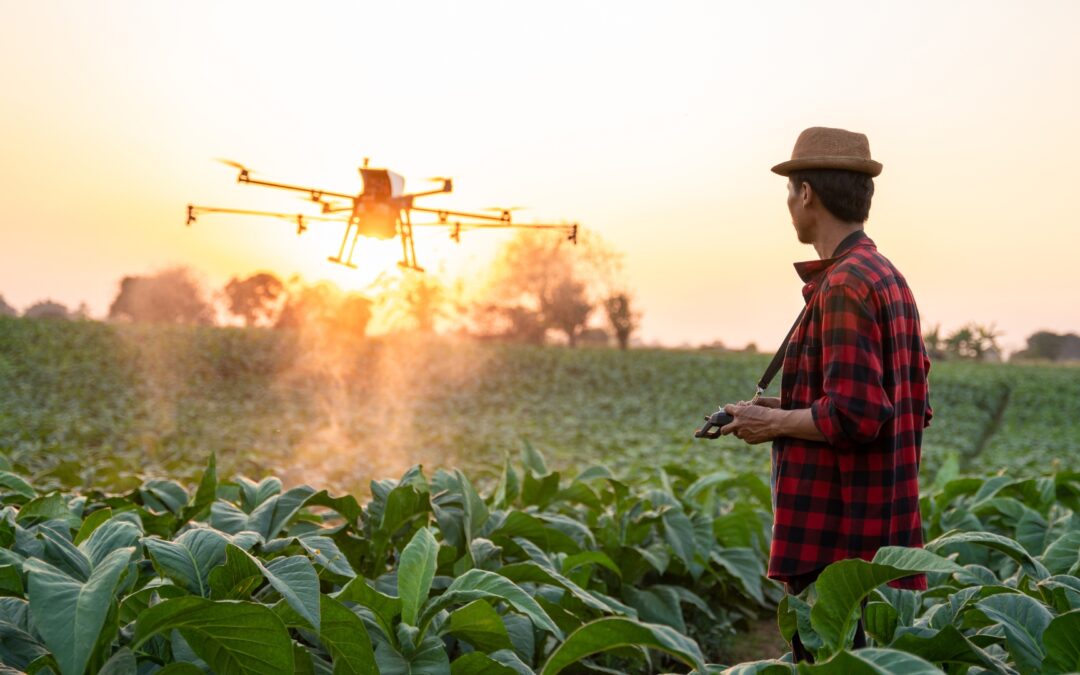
245,501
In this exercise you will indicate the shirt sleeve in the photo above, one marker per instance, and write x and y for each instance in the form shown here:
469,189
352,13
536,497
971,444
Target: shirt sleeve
854,405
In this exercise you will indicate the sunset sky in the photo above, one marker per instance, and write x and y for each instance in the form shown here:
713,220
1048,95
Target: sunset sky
654,124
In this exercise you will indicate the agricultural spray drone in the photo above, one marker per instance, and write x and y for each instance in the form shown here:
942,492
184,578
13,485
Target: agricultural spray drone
381,211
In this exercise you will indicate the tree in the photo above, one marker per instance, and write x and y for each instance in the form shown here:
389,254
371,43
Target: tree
413,301
623,320
1051,347
935,344
973,341
567,309
325,310
169,296
6,309
46,309
546,276
255,299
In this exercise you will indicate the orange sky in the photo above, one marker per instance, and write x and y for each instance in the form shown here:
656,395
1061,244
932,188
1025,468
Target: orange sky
654,124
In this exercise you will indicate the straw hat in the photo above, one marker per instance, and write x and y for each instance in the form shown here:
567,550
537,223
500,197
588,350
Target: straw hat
825,148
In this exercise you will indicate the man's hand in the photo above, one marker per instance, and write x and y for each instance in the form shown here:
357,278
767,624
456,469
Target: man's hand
755,422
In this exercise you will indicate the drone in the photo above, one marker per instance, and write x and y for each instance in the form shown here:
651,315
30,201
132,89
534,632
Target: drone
381,211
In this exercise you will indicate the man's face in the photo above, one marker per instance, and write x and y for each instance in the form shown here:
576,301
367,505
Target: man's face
800,217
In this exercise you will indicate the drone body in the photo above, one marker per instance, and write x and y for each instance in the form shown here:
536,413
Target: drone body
383,210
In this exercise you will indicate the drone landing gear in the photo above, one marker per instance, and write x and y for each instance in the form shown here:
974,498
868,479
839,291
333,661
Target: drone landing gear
408,247
352,228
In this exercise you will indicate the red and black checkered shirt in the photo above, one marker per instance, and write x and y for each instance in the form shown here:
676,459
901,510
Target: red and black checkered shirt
858,361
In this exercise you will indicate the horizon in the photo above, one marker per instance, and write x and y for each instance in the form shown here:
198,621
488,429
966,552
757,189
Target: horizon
654,127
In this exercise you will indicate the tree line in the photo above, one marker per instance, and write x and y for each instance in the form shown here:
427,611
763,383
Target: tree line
538,289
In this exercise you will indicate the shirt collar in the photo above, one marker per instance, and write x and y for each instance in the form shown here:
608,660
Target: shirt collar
810,270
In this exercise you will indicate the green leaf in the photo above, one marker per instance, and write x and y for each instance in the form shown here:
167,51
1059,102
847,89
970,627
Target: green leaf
745,566
271,516
253,494
476,584
236,578
610,633
656,605
69,615
871,662
345,637
295,579
91,523
842,586
386,608
533,461
50,507
947,645
993,541
764,667
475,663
1062,554
234,638
204,494
1023,619
120,663
531,571
109,536
11,581
189,559
1062,645
13,483
880,620
415,572
164,495
480,625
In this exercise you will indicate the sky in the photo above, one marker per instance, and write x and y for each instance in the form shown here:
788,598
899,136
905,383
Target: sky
652,124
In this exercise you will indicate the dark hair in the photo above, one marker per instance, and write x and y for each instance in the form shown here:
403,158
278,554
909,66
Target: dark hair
846,194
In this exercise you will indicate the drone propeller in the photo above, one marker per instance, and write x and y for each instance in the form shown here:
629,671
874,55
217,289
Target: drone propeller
438,179
229,162
504,209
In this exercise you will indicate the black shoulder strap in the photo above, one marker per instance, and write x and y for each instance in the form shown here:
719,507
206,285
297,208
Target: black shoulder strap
778,358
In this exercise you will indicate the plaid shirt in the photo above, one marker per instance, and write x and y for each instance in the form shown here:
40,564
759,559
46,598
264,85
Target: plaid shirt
858,361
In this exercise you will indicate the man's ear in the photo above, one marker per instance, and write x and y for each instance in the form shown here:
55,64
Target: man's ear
806,194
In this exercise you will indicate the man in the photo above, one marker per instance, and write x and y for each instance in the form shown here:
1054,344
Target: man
847,428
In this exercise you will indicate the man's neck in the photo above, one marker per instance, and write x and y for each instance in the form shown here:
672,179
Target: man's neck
831,234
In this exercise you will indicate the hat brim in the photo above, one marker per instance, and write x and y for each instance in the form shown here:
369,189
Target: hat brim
867,166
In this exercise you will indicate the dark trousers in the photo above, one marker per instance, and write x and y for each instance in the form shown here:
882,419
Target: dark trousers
799,652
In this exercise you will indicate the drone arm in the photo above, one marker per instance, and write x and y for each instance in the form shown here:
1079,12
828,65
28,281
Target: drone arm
444,214
316,194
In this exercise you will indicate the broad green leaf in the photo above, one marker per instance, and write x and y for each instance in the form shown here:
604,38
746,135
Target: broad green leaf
476,663
271,516
531,571
745,566
880,620
480,625
385,607
295,579
346,506
656,605
476,584
415,572
576,560
871,662
64,555
1062,554
764,667
108,537
164,495
610,633
1062,644
843,585
91,523
12,483
679,533
69,615
205,493
49,507
533,460
11,581
994,541
189,559
234,638
236,578
120,663
947,645
1023,620
180,669
253,494
344,636
17,647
